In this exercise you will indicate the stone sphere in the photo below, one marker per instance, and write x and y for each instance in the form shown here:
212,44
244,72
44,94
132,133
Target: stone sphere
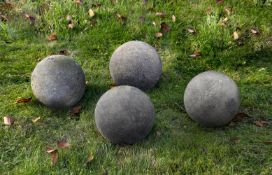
137,64
58,81
212,99
124,115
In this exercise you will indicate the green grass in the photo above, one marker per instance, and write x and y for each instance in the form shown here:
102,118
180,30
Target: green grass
176,145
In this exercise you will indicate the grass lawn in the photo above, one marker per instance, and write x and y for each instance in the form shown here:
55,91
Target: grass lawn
234,37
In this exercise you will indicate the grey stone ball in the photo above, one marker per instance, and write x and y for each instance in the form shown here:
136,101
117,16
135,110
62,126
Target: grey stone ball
58,81
124,115
212,99
137,64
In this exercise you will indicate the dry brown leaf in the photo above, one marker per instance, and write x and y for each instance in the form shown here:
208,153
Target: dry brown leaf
158,35
196,54
75,110
35,120
255,31
261,123
23,100
191,30
219,1
235,139
235,36
69,18
164,27
239,117
91,13
54,155
173,18
160,14
90,159
63,144
71,26
8,120
121,17
268,142
78,2
52,37
227,11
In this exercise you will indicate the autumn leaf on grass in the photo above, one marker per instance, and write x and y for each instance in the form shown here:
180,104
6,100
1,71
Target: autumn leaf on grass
196,54
89,160
261,123
52,37
122,18
54,155
219,1
23,100
158,35
63,144
164,27
8,120
160,14
75,110
35,120
227,11
191,30
239,117
91,13
255,31
235,36
78,2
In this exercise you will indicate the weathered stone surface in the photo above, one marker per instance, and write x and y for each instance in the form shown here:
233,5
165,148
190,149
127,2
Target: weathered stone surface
124,115
212,99
58,81
137,64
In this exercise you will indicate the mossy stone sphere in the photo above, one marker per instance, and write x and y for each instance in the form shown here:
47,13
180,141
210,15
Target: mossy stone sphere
124,115
212,99
137,64
58,81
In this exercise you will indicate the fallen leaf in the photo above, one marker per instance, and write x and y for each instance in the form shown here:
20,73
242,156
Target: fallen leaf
69,18
255,31
52,37
90,159
268,142
54,155
91,13
173,18
8,120
219,1
35,120
235,36
158,35
75,110
261,123
196,54
63,144
225,19
235,139
164,27
191,30
121,17
227,11
239,117
160,14
71,26
78,2
23,100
